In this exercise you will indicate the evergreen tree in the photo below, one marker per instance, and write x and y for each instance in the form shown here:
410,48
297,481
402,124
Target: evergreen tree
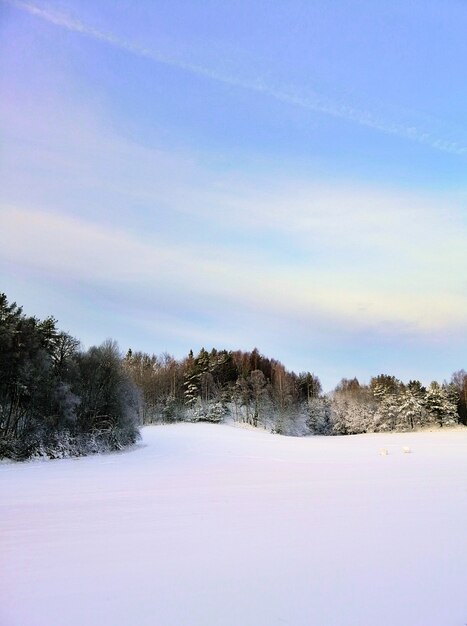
319,416
411,409
459,381
52,397
440,407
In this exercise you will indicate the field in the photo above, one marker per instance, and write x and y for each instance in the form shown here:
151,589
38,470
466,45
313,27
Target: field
205,525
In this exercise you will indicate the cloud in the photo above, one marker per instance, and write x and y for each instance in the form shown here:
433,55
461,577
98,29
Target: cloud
106,211
209,280
310,101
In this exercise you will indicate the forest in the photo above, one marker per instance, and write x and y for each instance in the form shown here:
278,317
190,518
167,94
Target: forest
57,399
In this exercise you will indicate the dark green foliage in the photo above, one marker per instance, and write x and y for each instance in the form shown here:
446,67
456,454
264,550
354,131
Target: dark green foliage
54,399
459,383
309,386
108,400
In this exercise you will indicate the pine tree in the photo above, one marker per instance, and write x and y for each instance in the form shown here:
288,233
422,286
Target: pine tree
411,409
318,416
440,407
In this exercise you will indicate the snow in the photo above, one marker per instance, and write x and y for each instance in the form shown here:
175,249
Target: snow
208,525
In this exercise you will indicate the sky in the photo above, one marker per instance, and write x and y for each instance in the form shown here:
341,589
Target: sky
290,176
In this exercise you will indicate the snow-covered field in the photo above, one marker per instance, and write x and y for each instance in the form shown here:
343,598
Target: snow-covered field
208,525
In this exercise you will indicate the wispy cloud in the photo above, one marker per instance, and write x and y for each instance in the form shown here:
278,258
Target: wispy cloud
212,279
308,101
351,252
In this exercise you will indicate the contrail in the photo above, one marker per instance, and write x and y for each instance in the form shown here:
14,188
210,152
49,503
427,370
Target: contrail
310,102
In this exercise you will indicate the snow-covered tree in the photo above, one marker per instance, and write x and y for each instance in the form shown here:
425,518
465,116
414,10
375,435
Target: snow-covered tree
319,415
459,381
386,391
411,409
56,399
387,413
440,407
352,408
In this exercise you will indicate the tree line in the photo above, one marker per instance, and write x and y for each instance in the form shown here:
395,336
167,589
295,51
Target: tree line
250,388
57,399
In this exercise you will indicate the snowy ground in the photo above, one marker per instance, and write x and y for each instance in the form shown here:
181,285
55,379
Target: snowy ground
210,525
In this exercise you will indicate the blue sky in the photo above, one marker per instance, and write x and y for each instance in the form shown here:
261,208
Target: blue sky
290,176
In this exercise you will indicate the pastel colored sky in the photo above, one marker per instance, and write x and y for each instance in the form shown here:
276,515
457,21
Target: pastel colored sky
287,175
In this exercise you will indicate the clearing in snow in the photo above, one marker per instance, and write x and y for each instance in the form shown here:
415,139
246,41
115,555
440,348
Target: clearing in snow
206,525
